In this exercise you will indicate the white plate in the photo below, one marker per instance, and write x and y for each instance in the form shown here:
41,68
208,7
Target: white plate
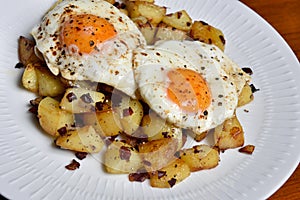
31,168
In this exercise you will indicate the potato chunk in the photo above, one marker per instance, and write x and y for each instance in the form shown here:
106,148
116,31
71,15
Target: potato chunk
53,119
155,128
49,84
122,158
38,79
208,34
104,120
246,95
130,112
248,149
26,51
84,139
200,157
229,135
30,79
79,100
166,32
147,29
152,12
170,175
180,20
157,154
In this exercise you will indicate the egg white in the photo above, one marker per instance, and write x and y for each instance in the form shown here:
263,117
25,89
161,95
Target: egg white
113,65
151,66
209,52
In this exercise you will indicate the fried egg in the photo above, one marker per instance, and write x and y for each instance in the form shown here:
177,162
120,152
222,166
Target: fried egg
184,84
89,40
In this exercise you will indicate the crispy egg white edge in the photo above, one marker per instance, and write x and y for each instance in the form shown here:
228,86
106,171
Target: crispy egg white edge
150,69
116,69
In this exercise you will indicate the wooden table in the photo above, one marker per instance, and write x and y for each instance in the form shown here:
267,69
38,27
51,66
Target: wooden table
284,16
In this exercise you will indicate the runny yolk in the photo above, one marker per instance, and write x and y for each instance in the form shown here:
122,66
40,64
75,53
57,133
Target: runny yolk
189,90
81,33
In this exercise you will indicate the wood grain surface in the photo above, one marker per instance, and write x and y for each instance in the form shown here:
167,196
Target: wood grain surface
284,16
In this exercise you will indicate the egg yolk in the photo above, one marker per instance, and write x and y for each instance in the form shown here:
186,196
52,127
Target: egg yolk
81,33
189,90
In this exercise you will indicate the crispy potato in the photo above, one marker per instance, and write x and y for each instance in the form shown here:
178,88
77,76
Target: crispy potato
147,29
179,20
152,125
157,154
229,135
248,149
122,158
130,112
49,84
53,119
30,79
166,32
200,157
198,137
84,139
155,128
246,95
172,174
208,34
109,123
152,12
37,78
105,121
26,51
79,100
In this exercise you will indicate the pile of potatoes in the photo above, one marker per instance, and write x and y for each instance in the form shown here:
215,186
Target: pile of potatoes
93,117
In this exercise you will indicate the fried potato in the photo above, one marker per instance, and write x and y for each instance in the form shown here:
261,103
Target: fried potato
53,119
165,32
246,95
109,123
30,79
179,20
49,84
147,29
198,136
26,51
157,154
130,112
84,139
38,79
153,125
79,100
122,158
229,135
208,34
170,175
248,149
105,121
200,157
155,128
152,12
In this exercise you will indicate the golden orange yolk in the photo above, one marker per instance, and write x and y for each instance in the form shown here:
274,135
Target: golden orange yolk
81,33
189,90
